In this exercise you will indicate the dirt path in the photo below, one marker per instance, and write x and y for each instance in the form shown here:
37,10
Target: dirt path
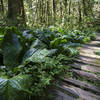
85,84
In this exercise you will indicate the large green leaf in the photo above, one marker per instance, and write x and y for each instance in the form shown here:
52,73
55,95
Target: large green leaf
38,44
15,88
35,47
57,41
38,56
11,49
71,52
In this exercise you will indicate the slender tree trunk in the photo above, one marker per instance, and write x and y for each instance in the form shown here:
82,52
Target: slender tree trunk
48,13
54,10
2,6
90,7
69,7
65,4
84,8
40,7
23,12
69,10
42,11
61,10
65,16
79,10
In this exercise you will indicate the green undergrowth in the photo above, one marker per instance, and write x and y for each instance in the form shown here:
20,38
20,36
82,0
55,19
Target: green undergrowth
34,59
97,61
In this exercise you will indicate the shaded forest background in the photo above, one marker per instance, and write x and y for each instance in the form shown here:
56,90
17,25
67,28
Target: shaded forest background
43,13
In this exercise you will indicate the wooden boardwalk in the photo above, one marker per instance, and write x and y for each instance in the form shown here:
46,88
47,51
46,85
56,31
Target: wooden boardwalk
85,84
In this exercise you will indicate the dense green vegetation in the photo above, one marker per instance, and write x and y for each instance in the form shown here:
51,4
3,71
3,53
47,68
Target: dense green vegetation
33,59
39,39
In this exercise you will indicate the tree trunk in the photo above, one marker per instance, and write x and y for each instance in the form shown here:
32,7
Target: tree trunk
61,10
23,12
48,13
69,7
2,6
90,5
54,10
79,10
65,14
16,13
65,4
84,8
69,10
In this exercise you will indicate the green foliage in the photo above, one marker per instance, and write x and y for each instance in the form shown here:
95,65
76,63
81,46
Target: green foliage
97,53
11,48
36,58
43,73
16,88
2,30
78,36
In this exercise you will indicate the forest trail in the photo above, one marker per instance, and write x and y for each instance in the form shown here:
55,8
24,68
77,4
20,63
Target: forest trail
85,84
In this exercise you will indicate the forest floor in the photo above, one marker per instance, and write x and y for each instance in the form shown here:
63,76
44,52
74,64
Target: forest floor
85,81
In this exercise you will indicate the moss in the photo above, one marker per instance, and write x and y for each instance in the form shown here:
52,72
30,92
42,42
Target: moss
97,62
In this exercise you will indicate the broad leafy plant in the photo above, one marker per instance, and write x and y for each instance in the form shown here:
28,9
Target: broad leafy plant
11,84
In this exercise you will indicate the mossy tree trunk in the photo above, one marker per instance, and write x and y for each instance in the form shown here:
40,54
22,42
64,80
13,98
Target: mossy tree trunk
16,13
